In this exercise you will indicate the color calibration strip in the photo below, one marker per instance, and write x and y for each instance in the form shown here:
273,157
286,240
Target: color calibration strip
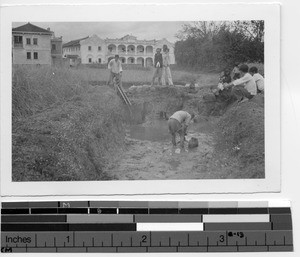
140,226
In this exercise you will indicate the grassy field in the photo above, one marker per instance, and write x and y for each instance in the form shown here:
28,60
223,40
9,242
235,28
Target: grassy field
65,129
145,76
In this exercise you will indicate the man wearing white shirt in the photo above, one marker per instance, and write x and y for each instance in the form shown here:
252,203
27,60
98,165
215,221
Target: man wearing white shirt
259,79
115,67
166,71
243,88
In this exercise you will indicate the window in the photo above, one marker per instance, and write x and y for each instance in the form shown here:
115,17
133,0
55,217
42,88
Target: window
90,48
35,41
28,55
35,55
53,47
90,60
18,40
99,48
99,60
28,41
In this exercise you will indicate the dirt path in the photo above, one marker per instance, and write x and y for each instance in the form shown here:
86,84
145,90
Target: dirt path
154,160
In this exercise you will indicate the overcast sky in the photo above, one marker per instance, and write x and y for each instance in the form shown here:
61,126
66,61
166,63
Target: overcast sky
142,30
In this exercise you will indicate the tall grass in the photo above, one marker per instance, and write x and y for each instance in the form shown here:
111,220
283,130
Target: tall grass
35,88
63,129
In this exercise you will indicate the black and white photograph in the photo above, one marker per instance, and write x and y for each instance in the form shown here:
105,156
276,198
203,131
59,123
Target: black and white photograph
137,100
142,100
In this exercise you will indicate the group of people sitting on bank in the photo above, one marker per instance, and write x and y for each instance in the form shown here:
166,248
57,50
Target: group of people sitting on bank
243,83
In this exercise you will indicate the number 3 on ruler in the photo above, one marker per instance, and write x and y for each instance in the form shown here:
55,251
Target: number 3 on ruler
222,238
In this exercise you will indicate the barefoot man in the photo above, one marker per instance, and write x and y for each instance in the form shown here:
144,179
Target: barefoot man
178,124
115,67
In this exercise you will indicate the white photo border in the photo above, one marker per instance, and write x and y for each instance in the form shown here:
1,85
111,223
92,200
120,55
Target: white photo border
270,13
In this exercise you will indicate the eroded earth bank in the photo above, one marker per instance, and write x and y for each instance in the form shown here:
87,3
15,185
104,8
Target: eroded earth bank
92,136
149,154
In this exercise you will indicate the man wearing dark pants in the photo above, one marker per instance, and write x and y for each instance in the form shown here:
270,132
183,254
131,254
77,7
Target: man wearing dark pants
115,67
243,88
178,124
158,65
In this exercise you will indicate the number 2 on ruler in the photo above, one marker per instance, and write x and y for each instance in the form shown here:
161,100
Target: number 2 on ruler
144,239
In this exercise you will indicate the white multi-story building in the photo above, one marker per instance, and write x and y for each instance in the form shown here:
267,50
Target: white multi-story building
131,50
34,45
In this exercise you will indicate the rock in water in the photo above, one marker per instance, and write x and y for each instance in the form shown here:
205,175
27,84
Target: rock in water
178,151
193,142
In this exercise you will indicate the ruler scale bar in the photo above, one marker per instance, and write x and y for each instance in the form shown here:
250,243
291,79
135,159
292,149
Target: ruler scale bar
142,226
146,211
236,218
132,226
120,218
125,218
158,239
103,210
152,204
169,226
33,218
68,227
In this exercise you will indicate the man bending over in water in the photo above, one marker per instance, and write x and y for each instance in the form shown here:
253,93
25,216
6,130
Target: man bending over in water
178,124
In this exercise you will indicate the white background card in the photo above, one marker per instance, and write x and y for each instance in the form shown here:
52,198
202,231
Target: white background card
290,127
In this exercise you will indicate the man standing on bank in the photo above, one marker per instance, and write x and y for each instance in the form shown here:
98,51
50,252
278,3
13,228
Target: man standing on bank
166,73
178,124
158,65
115,67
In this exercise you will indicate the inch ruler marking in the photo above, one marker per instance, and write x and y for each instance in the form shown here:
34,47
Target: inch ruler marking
134,227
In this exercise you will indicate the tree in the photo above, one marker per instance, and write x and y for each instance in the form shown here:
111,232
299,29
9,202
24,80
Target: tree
209,44
253,30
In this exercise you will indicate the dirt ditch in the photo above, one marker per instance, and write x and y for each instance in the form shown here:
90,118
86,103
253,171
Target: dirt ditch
148,152
90,137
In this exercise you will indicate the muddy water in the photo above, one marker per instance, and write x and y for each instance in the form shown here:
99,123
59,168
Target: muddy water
150,155
154,133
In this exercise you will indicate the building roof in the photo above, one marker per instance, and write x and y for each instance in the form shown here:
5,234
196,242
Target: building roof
56,39
74,42
126,37
31,28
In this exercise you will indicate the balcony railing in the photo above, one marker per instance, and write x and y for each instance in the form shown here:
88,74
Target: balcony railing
18,45
130,53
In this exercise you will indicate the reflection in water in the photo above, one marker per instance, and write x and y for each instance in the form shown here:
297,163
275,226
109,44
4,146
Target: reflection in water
157,132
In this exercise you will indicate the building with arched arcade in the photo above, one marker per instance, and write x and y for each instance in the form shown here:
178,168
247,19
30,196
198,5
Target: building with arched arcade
131,50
